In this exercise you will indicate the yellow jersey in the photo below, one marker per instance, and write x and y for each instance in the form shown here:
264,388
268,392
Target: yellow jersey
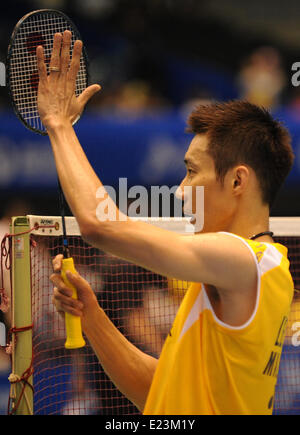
207,367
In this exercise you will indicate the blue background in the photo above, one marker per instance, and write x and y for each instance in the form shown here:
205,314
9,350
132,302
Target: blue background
147,151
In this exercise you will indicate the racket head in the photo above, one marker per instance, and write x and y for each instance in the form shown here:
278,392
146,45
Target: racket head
37,28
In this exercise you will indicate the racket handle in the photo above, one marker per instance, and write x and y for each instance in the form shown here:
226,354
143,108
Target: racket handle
74,339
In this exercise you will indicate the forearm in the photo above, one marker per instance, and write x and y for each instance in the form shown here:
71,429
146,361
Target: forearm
130,369
77,177
155,249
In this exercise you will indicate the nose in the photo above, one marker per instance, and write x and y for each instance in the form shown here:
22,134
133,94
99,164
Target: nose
179,193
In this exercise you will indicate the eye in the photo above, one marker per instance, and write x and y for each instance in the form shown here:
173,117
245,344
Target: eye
190,172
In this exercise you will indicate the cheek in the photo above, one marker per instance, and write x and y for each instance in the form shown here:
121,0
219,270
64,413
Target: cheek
214,193
217,200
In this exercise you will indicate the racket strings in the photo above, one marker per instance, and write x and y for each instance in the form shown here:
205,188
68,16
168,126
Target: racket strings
38,29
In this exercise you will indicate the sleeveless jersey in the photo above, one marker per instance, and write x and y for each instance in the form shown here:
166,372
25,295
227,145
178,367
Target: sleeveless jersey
208,367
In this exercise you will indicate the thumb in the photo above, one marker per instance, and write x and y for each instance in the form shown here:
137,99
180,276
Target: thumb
76,280
84,291
87,94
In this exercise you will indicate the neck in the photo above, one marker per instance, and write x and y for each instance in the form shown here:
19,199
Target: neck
248,223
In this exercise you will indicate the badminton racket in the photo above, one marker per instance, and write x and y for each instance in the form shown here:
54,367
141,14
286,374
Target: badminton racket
35,29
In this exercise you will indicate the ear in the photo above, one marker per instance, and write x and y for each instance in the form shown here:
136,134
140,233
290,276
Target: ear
240,179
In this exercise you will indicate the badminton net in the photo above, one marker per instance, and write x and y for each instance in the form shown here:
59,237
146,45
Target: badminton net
141,304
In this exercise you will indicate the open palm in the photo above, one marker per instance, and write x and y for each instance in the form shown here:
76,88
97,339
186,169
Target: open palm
57,102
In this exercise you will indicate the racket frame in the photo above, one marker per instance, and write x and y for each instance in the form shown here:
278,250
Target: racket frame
10,52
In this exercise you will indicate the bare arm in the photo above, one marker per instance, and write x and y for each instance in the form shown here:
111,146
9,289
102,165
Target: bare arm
130,369
208,258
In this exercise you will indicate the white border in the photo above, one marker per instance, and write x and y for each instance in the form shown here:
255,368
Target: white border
285,226
72,227
281,226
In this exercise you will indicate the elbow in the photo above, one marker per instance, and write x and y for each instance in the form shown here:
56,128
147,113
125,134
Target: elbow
105,235
92,232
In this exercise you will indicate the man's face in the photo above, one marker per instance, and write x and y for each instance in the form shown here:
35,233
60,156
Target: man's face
218,204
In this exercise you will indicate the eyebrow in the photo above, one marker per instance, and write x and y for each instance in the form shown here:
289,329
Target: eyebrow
188,161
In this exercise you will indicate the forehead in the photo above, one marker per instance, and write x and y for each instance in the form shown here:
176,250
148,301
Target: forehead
197,150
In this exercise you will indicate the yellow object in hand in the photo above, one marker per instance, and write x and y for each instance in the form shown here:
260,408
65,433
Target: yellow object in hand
74,339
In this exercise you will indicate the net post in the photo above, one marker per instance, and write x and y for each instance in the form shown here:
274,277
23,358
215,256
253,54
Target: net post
22,398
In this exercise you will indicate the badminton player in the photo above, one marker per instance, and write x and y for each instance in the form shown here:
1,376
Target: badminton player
223,350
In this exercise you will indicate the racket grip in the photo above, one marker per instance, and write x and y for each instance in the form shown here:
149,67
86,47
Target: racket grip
74,339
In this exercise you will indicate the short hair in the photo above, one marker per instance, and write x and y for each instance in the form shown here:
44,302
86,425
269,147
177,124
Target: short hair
240,132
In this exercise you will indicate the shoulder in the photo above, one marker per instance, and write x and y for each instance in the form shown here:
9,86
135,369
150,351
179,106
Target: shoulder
229,261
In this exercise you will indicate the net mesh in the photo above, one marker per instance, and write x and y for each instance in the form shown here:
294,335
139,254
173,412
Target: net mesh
137,301
287,397
37,29
142,305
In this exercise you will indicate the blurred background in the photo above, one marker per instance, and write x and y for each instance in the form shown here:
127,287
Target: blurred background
155,59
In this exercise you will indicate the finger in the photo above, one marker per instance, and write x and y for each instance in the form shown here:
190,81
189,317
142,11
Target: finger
42,70
75,64
81,285
76,280
55,57
65,52
61,286
61,299
72,310
67,304
57,263
87,94
57,303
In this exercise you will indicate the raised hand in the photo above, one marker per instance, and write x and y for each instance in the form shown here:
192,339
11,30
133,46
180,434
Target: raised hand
57,102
